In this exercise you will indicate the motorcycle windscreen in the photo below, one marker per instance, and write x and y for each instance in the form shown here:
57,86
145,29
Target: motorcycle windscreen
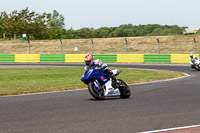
90,74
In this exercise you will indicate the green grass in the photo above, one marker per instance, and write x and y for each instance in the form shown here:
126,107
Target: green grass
15,81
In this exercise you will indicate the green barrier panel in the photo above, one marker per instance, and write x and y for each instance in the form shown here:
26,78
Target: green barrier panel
157,58
7,58
106,58
52,57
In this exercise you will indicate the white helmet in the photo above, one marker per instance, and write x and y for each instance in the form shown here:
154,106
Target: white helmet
191,55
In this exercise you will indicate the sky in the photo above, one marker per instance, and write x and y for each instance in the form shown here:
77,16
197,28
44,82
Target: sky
113,13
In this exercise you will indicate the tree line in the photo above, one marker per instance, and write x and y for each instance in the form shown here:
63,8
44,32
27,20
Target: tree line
35,25
128,30
51,26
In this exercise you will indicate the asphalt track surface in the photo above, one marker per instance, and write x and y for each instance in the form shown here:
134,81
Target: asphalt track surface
152,106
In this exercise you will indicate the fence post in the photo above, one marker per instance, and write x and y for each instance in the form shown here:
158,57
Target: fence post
61,46
92,46
15,36
29,46
194,46
4,36
158,46
126,46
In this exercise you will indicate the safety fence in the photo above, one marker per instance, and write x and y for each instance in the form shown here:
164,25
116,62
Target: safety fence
107,58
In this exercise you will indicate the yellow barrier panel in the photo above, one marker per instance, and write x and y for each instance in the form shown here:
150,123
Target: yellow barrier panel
27,57
130,58
79,58
181,58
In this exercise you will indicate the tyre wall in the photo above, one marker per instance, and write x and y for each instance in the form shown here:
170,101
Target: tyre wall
27,57
52,58
7,58
107,58
157,58
180,58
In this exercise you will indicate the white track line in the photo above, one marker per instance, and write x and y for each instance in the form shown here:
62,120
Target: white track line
171,129
186,75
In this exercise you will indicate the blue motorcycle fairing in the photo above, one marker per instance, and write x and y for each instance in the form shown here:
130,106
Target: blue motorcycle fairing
102,77
92,74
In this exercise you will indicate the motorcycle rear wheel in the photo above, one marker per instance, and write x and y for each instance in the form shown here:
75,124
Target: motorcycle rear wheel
97,93
124,89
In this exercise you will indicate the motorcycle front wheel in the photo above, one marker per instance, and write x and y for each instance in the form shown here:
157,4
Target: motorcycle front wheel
124,89
97,93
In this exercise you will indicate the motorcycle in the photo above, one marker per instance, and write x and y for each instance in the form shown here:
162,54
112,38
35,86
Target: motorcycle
100,85
196,65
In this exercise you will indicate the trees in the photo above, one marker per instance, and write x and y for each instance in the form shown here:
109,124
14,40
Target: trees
55,23
103,32
52,26
36,26
85,33
127,30
2,22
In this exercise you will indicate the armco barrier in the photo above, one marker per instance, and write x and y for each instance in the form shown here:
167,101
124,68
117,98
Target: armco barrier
157,58
27,57
181,58
107,58
130,58
7,58
74,57
52,57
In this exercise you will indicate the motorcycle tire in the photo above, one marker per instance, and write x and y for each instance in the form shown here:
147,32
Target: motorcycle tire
96,92
124,89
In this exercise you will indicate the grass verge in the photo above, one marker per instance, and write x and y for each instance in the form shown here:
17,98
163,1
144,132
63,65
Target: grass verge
15,81
136,45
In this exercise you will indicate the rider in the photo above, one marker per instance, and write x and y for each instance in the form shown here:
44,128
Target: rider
193,60
89,61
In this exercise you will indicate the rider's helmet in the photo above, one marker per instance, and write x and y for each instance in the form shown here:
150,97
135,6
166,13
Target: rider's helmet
88,60
196,58
191,55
